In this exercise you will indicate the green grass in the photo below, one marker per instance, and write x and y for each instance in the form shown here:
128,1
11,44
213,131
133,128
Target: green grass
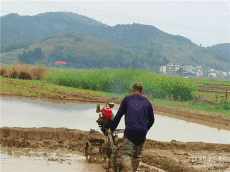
221,82
37,88
26,87
193,106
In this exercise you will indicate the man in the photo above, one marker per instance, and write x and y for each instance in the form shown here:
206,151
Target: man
139,118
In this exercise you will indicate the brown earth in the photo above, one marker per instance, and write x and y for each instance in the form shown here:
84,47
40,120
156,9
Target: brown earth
37,160
166,156
213,88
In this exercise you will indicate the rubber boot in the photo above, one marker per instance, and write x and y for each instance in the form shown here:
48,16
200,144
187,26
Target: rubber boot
106,166
127,166
135,166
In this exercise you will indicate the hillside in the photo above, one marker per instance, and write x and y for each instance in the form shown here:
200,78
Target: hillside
30,29
178,49
136,37
225,48
221,52
79,50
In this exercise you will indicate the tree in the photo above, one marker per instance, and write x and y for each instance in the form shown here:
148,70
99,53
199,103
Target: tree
56,55
179,71
38,54
23,57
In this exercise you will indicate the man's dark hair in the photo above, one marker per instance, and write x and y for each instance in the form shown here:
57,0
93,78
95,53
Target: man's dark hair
137,86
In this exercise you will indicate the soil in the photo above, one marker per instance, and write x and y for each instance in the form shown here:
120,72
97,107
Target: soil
156,155
216,88
26,159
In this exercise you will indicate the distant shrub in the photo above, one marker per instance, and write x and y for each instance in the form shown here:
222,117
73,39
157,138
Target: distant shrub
13,46
24,71
4,70
223,104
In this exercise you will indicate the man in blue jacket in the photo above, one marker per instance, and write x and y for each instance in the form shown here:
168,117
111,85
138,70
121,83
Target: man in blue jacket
139,118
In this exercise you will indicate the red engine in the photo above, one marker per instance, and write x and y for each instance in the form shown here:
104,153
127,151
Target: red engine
107,112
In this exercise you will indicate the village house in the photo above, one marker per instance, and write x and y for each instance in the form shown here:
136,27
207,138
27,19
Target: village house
169,68
198,71
186,69
213,74
163,69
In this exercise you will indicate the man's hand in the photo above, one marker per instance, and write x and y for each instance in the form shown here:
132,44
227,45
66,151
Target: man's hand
110,132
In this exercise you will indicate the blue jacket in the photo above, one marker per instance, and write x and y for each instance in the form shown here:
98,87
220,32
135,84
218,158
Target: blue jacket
139,118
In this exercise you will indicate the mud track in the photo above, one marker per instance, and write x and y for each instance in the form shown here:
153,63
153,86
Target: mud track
168,156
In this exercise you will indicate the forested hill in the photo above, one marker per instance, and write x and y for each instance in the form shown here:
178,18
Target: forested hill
84,51
21,31
30,29
225,48
221,52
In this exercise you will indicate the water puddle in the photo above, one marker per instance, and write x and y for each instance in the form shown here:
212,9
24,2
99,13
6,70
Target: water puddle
37,113
37,163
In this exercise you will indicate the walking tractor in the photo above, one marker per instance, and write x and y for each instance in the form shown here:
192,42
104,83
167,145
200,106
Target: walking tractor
105,150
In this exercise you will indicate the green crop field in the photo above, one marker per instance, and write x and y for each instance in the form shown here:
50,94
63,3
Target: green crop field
120,80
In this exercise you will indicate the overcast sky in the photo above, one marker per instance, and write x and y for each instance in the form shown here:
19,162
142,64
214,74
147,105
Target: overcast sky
203,22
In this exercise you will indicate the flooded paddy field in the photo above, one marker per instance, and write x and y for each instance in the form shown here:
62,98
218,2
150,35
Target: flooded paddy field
48,133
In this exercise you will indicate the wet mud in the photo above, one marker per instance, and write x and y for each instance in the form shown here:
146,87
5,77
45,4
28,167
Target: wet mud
156,155
27,159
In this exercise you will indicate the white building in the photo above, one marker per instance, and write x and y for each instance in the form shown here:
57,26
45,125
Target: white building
187,68
171,68
212,74
163,69
198,71
225,74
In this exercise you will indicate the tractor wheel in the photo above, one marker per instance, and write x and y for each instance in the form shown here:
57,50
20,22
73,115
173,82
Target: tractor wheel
88,151
102,158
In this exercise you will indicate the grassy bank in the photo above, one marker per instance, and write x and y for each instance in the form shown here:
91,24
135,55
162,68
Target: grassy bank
39,88
193,106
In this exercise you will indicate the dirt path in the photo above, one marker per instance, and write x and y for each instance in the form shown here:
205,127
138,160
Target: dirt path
197,116
166,156
214,120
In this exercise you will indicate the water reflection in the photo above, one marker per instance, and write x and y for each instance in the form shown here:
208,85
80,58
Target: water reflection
37,113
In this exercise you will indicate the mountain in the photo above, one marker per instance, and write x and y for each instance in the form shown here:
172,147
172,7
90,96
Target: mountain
22,31
79,50
29,29
221,52
224,48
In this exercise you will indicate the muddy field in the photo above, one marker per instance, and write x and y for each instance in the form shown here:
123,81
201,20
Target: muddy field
213,88
156,156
